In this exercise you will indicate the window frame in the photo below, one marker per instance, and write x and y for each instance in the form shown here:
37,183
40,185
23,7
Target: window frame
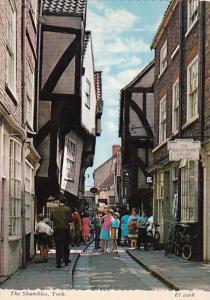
28,192
189,116
70,159
30,81
163,59
162,123
87,92
175,129
15,186
11,51
195,13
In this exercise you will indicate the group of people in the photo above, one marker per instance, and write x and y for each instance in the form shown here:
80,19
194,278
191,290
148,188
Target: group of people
69,228
133,229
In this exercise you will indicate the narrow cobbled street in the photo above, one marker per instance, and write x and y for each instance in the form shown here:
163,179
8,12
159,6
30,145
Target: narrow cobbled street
95,270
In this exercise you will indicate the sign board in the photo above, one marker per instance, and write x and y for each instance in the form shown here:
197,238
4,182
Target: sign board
94,190
183,149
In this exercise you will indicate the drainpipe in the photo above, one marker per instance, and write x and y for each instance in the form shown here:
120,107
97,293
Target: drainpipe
23,51
180,97
38,64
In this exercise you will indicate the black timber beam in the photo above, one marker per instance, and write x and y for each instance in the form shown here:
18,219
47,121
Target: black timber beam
59,29
142,89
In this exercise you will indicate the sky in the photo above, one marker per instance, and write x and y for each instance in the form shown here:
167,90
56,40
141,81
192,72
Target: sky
122,33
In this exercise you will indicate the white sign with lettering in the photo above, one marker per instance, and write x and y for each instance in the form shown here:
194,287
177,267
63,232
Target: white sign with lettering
184,149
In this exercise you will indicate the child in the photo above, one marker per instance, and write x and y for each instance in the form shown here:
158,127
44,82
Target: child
114,231
105,230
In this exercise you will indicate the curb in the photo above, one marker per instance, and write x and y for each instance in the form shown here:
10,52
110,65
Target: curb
160,276
76,259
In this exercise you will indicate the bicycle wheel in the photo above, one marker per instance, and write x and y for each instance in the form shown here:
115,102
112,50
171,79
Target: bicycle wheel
157,236
187,251
177,250
167,249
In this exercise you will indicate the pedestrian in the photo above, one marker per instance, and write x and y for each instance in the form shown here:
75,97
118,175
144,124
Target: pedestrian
77,223
114,231
124,227
85,227
133,223
44,231
105,230
142,232
61,216
97,229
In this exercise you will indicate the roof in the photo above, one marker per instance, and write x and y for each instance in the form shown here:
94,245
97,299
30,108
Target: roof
108,181
162,23
139,76
64,6
98,85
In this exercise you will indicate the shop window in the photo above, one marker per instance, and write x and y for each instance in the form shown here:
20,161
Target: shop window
28,195
189,190
70,158
15,188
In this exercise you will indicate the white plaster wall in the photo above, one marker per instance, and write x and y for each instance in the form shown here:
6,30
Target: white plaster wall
88,114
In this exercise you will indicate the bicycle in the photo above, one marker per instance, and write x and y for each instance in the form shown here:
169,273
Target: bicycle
179,242
153,235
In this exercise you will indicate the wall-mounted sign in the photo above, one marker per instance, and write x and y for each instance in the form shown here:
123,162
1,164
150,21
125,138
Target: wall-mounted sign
184,149
149,179
94,190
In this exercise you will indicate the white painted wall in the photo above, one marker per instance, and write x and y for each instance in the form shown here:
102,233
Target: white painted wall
88,114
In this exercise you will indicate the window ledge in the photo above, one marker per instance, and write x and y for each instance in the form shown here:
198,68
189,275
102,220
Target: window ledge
190,122
69,179
191,27
163,71
160,145
12,94
175,133
14,238
175,51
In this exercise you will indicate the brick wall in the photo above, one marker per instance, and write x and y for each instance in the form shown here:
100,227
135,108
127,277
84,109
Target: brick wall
207,72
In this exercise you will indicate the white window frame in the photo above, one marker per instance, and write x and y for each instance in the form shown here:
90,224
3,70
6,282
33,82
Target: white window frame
160,195
87,93
175,107
29,192
192,91
30,94
192,14
11,47
162,121
70,158
163,57
15,188
189,191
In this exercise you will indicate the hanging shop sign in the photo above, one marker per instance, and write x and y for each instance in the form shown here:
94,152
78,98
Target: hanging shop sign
184,149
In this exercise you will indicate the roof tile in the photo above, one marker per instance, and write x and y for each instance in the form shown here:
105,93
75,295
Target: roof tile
98,85
64,6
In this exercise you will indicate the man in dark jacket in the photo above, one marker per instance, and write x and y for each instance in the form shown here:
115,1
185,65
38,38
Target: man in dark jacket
61,217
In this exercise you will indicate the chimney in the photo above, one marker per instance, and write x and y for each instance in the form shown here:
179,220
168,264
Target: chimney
116,149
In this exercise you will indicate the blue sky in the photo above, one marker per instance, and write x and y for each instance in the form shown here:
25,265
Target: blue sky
122,32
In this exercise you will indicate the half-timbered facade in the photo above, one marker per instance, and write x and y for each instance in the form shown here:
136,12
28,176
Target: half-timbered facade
136,132
68,99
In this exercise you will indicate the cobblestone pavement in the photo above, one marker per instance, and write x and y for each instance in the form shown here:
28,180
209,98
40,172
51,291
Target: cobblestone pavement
95,270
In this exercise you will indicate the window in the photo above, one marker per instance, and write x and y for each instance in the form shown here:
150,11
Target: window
34,9
28,195
30,94
87,100
175,112
15,188
174,178
192,87
11,45
163,57
192,12
162,125
160,196
189,190
70,158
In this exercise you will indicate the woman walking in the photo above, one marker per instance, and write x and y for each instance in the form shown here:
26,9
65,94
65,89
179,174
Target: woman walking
44,232
105,230
133,224
85,227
